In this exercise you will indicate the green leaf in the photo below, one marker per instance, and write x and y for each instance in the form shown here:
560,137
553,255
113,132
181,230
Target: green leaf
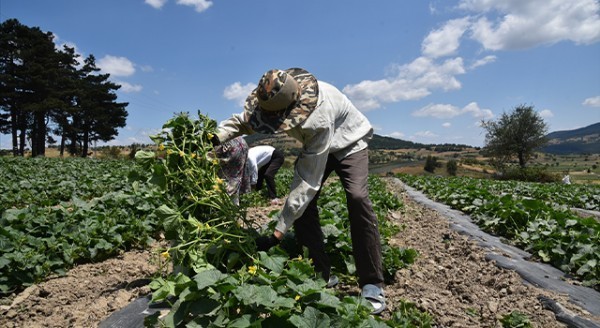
262,295
204,307
275,263
570,223
311,318
545,257
208,278
4,262
241,322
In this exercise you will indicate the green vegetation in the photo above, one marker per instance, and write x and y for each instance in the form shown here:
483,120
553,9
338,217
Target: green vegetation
431,164
451,167
516,134
515,319
57,213
533,216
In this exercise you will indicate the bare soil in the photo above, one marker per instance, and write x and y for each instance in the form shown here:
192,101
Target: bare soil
450,279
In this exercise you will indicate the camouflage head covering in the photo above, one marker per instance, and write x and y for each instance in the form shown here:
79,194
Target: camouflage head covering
282,100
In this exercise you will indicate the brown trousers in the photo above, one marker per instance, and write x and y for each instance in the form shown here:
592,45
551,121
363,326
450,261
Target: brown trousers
353,172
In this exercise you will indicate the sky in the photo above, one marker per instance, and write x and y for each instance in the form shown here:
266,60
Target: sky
424,71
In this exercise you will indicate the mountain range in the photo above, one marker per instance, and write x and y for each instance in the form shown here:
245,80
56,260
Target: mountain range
585,140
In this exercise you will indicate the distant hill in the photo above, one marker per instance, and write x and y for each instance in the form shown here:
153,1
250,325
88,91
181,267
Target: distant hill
378,142
579,141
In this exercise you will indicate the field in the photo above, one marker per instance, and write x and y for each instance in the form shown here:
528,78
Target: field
583,169
449,282
81,238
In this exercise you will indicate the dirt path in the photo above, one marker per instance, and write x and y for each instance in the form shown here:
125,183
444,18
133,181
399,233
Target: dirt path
451,279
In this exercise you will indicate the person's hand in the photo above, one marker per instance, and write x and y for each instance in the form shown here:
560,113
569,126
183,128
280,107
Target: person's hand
264,243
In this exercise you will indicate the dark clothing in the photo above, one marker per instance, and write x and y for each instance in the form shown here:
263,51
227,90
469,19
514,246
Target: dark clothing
268,171
353,173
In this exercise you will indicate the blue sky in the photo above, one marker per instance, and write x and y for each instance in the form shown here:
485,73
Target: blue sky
425,71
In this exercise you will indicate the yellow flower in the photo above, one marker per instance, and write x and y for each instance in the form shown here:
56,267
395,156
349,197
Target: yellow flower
215,161
219,181
194,155
210,135
165,255
216,187
299,258
252,269
161,147
181,153
169,151
297,297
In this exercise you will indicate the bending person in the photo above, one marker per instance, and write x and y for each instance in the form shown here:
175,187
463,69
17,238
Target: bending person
265,162
334,135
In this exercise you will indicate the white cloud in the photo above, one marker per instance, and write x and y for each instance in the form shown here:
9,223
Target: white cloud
238,92
147,68
592,102
447,124
128,87
199,5
410,82
518,24
116,66
483,61
426,134
478,113
449,111
438,111
446,40
396,134
156,3
546,113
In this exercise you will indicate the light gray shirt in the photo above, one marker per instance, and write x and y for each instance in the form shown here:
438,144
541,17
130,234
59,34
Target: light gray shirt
335,127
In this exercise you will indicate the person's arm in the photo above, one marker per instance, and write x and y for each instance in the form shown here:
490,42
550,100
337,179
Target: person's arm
232,127
308,174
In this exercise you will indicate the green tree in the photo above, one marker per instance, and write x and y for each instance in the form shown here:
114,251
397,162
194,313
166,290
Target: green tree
100,115
514,135
44,93
32,83
430,164
451,167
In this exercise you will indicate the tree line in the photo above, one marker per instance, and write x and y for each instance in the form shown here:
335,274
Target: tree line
45,92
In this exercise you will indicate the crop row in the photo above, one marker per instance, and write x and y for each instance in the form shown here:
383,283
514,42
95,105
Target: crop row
544,226
49,235
49,181
585,196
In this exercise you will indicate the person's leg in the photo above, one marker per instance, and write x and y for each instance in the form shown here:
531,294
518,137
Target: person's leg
260,178
366,245
271,169
309,234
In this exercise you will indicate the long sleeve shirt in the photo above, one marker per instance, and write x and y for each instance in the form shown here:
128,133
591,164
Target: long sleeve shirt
335,127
